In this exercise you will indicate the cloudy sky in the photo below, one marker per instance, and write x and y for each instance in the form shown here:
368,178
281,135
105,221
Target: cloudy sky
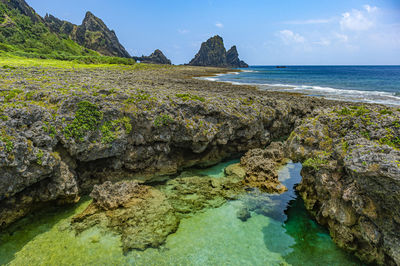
267,32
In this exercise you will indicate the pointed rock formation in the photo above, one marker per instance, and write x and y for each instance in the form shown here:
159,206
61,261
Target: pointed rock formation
92,34
232,58
213,53
157,57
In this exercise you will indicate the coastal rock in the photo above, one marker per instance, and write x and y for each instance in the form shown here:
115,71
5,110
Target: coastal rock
157,57
261,167
232,59
109,196
140,214
213,53
92,34
351,178
103,134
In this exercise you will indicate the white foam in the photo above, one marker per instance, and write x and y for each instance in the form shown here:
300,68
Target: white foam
380,97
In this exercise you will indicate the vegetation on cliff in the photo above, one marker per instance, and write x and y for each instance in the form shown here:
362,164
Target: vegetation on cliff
23,33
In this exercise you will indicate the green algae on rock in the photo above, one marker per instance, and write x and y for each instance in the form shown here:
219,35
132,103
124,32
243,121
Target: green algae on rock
140,214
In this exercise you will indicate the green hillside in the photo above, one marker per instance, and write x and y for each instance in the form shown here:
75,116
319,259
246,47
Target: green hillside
24,36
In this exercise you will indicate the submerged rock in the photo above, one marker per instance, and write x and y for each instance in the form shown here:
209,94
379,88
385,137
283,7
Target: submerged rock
243,214
140,214
190,194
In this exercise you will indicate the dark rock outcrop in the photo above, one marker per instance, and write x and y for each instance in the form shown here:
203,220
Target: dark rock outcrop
92,34
59,26
232,58
213,53
157,57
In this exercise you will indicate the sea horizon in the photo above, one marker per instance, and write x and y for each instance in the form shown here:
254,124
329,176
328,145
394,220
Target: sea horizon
356,83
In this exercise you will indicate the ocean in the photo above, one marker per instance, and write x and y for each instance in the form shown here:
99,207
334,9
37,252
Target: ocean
370,84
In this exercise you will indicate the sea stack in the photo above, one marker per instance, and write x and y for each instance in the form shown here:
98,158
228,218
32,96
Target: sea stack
213,53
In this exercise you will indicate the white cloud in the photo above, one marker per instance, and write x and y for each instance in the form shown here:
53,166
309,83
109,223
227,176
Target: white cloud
289,37
309,21
323,42
341,37
358,20
219,25
370,9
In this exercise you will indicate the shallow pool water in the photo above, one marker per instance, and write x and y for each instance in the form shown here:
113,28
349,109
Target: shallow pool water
279,232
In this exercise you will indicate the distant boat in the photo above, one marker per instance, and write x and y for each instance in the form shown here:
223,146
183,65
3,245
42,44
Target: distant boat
280,66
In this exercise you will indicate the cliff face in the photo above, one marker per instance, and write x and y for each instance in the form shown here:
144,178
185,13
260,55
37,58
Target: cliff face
92,34
157,57
213,53
351,178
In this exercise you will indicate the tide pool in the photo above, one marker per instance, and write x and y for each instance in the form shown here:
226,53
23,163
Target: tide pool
279,232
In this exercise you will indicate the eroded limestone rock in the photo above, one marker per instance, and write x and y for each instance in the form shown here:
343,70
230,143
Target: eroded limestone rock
261,167
351,178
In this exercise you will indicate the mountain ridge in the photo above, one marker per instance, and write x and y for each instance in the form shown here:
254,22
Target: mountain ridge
25,30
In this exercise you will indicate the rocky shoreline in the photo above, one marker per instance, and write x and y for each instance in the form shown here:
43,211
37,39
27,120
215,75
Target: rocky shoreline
67,131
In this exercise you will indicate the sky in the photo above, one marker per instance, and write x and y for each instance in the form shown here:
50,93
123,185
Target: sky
266,32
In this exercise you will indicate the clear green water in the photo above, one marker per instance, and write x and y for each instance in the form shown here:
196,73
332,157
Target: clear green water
279,232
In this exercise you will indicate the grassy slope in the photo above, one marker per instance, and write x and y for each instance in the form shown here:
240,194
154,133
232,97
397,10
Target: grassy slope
21,37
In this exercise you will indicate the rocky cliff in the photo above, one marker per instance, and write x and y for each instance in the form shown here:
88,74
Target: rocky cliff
92,34
351,177
213,53
157,57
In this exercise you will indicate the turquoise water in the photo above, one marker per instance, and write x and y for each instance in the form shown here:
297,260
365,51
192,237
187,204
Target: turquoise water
373,84
279,232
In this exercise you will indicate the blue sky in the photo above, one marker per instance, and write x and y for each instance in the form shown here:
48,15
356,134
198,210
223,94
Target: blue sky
289,32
